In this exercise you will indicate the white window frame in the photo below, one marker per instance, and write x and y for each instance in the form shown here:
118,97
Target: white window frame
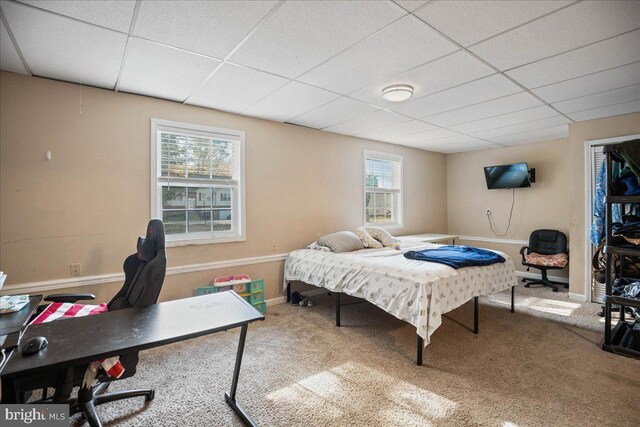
238,229
398,211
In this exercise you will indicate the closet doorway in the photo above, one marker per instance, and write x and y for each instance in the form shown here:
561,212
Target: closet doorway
594,159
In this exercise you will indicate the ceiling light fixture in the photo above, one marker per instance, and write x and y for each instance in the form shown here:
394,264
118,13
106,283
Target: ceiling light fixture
397,93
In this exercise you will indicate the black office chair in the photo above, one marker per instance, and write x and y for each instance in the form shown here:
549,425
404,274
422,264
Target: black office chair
144,274
547,250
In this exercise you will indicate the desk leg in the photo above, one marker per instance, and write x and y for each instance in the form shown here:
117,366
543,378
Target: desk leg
231,396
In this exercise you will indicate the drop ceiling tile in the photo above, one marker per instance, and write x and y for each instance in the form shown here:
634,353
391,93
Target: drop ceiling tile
234,88
452,70
9,59
575,26
507,119
547,122
400,46
608,111
64,49
456,140
426,136
411,5
461,96
371,121
626,75
302,34
211,28
548,134
290,101
471,21
394,133
452,147
602,99
338,111
164,72
114,14
495,107
600,56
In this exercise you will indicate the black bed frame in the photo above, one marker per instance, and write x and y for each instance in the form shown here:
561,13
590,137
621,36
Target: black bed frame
420,343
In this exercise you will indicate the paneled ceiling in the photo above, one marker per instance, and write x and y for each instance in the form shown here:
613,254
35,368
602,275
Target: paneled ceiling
485,73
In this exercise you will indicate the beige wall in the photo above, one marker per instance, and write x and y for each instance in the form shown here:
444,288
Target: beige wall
557,199
88,204
545,205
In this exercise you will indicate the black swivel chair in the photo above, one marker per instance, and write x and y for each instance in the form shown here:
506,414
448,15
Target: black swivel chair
144,274
547,250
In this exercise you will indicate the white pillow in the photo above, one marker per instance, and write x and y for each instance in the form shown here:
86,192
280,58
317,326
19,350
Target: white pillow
381,235
367,240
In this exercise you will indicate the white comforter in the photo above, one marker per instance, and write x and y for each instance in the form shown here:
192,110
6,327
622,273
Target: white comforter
417,292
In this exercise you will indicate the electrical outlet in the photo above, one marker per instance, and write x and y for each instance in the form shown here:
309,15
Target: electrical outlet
273,246
75,270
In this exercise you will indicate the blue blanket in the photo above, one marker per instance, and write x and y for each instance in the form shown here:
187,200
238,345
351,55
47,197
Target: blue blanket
456,256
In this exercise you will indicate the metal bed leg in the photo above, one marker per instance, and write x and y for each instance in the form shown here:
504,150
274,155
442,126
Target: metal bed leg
513,291
288,292
419,349
475,315
337,309
231,396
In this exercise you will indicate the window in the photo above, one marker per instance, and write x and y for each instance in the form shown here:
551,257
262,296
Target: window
382,189
197,182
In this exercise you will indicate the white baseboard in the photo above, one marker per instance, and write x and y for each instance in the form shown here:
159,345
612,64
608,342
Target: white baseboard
75,282
494,240
577,297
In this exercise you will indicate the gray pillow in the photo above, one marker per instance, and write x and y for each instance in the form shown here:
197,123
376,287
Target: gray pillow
342,241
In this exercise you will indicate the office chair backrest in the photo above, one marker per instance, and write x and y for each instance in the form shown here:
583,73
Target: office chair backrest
548,242
144,271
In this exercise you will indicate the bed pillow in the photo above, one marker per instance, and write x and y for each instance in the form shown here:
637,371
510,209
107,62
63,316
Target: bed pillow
316,247
342,241
381,235
367,240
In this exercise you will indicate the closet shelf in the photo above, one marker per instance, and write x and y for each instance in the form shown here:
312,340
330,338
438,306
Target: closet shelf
624,338
627,302
623,341
619,250
623,199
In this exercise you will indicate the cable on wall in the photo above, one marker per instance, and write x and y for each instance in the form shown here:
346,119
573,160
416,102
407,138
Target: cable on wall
513,200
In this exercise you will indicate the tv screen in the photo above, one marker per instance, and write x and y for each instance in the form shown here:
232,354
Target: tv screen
507,176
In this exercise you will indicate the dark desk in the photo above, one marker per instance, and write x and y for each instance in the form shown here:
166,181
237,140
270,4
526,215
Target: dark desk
110,334
14,322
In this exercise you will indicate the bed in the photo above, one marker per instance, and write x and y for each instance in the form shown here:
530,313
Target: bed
416,292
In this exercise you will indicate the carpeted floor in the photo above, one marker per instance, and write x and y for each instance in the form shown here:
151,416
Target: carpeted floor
531,368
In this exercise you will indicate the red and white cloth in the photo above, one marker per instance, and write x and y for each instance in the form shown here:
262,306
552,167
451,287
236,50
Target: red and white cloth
62,310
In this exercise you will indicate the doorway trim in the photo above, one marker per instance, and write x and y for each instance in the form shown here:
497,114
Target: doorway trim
588,201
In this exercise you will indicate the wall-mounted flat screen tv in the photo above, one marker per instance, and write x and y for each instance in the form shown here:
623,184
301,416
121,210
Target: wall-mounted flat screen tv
507,176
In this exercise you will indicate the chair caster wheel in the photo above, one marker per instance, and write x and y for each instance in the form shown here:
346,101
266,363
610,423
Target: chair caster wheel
149,397
526,286
555,289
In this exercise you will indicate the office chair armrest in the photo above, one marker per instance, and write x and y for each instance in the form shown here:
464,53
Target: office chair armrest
69,297
522,250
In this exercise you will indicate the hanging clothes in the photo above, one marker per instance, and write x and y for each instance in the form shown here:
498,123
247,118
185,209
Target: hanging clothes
630,152
599,206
